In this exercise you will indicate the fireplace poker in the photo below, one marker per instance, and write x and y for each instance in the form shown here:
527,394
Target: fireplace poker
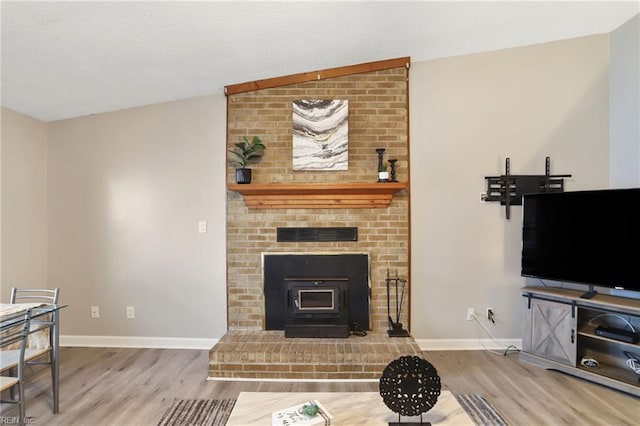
404,285
388,281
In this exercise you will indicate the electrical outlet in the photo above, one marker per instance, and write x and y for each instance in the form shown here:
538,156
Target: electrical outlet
491,315
470,313
131,313
95,312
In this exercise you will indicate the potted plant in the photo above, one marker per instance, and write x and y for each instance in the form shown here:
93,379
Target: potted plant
246,152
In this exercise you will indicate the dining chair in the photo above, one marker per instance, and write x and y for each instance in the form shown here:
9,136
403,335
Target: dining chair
39,343
33,295
12,335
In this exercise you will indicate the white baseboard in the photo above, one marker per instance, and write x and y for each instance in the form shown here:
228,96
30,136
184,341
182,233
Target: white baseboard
466,344
137,342
206,344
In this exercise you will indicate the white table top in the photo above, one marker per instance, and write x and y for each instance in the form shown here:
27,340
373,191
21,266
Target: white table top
7,309
347,408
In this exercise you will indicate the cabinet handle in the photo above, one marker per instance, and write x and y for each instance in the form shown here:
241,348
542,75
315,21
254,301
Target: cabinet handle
572,335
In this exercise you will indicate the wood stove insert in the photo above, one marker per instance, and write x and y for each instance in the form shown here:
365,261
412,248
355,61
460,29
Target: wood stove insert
316,308
331,291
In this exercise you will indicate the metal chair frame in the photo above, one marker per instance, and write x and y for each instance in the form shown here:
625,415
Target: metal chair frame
11,335
34,357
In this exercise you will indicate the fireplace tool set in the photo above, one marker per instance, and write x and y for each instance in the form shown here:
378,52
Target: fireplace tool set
395,327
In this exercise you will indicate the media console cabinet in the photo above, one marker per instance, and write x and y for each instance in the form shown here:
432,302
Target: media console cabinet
560,334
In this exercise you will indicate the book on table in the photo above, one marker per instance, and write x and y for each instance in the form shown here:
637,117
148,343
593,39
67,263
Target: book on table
299,415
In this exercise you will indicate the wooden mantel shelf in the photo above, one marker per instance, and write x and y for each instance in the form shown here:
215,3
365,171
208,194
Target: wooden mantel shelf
317,195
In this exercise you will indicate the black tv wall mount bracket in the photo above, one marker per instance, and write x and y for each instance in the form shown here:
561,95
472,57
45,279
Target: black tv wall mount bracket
508,188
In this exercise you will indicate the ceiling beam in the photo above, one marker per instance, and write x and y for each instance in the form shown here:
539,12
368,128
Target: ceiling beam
316,75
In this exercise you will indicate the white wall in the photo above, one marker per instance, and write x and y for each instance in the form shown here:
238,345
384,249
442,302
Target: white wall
468,114
624,131
24,202
126,192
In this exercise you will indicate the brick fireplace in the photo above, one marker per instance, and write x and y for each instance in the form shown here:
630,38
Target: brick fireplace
378,118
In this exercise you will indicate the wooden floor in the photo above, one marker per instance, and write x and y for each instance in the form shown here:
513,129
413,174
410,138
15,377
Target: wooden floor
134,386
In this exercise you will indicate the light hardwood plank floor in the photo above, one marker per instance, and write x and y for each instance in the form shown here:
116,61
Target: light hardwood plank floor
104,386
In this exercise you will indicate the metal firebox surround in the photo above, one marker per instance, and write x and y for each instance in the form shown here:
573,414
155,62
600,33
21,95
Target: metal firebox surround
323,253
299,300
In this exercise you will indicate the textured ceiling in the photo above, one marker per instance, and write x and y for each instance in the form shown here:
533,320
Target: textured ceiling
69,59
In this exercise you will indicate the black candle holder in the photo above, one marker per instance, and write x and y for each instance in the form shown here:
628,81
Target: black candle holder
392,162
383,175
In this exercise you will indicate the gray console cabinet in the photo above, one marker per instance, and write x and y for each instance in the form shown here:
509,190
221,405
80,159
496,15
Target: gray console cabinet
550,330
559,331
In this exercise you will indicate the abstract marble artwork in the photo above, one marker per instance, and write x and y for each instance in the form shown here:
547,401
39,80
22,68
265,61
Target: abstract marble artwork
320,135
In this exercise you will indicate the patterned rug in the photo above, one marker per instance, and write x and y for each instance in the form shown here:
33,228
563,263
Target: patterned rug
197,412
215,412
480,411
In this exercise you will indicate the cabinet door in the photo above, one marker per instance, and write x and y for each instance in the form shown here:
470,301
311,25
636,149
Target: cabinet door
550,330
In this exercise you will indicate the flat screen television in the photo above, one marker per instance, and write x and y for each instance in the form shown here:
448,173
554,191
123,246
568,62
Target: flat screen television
588,237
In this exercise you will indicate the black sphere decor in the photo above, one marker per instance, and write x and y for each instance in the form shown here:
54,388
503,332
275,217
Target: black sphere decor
410,386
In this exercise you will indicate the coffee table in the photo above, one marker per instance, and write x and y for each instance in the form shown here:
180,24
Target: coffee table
347,408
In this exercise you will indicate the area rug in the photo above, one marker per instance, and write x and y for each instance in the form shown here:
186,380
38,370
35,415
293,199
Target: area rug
197,412
480,411
215,412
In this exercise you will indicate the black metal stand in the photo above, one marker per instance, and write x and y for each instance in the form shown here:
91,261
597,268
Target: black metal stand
508,188
590,293
395,327
400,423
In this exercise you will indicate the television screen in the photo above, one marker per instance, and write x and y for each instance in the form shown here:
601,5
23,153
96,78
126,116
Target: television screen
590,237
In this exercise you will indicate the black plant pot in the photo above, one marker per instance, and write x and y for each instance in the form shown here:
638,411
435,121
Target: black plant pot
243,175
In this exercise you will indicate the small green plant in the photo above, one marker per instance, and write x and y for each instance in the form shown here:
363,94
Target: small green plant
246,152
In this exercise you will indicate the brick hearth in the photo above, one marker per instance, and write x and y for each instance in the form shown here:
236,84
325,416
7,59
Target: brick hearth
267,354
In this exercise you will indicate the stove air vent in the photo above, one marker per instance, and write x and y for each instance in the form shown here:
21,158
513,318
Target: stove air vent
317,234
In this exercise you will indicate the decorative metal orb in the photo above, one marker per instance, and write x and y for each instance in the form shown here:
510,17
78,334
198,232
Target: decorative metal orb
410,386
